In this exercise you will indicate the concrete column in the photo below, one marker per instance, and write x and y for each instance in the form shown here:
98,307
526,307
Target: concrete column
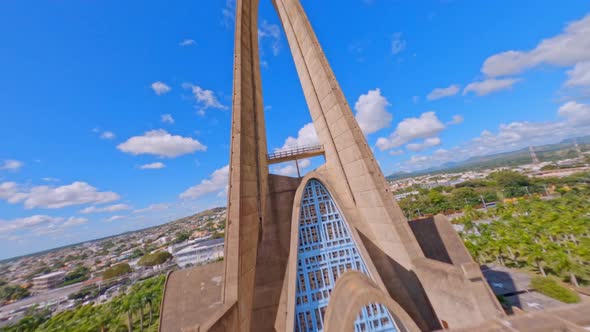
248,167
356,176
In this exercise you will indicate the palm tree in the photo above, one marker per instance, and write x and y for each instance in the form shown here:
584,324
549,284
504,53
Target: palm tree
564,265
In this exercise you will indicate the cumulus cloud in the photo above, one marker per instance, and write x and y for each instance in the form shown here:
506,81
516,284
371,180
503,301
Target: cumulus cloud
566,49
485,87
427,143
156,165
161,143
109,208
511,136
160,88
167,118
228,13
153,207
205,98
291,168
457,119
107,135
579,75
305,137
439,93
113,218
216,182
371,112
271,33
11,165
49,197
9,191
187,42
74,221
426,126
38,224
397,43
578,114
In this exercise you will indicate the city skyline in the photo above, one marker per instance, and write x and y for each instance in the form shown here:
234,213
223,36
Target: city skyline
132,130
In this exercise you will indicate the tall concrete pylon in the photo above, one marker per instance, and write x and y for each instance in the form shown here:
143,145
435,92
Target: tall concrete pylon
418,275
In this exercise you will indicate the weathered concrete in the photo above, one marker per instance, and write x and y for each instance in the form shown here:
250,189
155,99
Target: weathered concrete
185,290
422,273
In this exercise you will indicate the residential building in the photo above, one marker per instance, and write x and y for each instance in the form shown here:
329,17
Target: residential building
199,253
48,281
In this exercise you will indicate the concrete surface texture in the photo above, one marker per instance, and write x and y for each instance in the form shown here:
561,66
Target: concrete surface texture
420,272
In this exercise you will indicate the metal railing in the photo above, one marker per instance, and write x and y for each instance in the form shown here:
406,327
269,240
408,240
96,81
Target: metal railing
294,151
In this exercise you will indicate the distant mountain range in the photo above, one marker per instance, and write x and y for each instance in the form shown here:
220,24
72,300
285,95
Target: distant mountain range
548,152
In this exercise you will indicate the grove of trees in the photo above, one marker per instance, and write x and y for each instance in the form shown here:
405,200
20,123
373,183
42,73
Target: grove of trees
497,186
550,237
116,271
138,310
154,259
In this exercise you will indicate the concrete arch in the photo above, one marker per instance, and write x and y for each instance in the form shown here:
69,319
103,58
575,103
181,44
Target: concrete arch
348,217
352,292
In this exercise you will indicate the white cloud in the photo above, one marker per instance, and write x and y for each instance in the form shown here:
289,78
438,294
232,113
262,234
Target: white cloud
156,165
482,88
272,33
565,49
167,118
27,223
510,137
457,119
113,218
578,114
107,135
371,112
205,98
160,88
109,208
153,207
228,13
50,179
305,137
11,165
187,42
74,221
426,126
291,168
427,143
48,197
439,93
397,44
579,75
161,143
9,191
396,152
217,182
40,224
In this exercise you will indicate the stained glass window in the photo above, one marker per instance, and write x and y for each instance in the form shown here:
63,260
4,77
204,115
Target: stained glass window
326,250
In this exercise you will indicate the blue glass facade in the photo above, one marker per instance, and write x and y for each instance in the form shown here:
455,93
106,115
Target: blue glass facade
325,251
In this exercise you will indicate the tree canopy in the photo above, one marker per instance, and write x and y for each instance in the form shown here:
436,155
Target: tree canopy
116,271
153,259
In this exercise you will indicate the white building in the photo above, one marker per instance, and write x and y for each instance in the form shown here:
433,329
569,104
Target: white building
48,281
199,253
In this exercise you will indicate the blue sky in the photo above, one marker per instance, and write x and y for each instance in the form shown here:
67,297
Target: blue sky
115,115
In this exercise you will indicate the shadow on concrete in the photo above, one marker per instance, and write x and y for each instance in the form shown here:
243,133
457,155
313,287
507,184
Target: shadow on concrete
404,287
504,287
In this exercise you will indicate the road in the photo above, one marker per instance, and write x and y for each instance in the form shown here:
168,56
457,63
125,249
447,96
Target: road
49,296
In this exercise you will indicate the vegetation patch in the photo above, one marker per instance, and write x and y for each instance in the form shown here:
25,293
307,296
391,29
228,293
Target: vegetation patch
551,288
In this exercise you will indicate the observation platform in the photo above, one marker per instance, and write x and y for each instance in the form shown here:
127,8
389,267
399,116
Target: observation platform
302,152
